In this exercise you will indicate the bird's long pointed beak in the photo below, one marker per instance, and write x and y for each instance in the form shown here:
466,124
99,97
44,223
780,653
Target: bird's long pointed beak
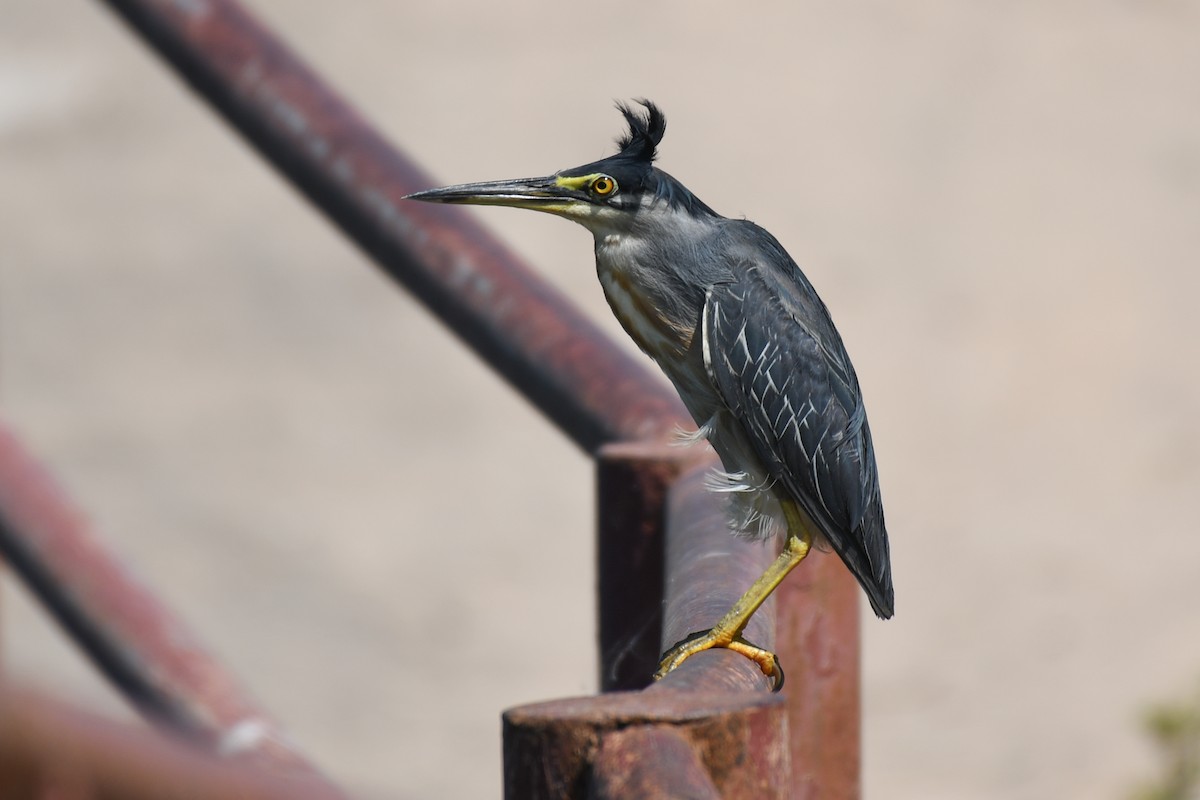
541,194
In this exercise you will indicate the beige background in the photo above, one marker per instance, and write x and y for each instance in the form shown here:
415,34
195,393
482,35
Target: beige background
1000,202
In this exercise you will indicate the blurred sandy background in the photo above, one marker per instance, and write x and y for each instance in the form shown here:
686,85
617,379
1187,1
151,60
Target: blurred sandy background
1000,202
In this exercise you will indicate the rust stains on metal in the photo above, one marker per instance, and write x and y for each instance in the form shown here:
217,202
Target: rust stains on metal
741,739
818,641
652,762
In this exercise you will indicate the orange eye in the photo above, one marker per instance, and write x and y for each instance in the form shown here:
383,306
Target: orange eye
604,185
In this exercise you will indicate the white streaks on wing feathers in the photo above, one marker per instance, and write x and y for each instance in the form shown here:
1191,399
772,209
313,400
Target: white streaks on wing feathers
741,340
795,426
762,357
786,409
771,378
819,455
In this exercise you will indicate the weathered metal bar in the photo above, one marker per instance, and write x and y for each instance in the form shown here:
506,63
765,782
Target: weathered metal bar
817,638
138,645
649,762
517,322
632,483
740,737
48,750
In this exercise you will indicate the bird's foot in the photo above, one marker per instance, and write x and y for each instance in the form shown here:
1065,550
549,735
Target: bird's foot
706,640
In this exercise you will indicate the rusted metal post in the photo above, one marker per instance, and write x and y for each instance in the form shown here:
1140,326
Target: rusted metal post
718,700
633,479
649,762
817,638
517,322
130,636
550,749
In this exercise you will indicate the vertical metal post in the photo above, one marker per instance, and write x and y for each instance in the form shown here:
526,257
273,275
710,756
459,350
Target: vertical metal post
817,639
632,483
740,738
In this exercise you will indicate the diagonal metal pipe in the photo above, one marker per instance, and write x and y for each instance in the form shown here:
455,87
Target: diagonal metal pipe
49,750
147,652
518,323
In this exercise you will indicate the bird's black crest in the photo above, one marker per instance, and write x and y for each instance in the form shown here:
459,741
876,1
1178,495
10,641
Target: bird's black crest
645,131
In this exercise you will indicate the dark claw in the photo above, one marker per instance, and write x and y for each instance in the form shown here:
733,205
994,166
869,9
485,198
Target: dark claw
777,677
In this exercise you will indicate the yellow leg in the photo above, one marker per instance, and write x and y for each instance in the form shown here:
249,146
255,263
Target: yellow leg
727,632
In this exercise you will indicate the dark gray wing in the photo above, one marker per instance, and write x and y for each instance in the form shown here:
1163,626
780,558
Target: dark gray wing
773,354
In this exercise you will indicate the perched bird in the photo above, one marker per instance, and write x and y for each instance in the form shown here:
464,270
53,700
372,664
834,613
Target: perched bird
751,349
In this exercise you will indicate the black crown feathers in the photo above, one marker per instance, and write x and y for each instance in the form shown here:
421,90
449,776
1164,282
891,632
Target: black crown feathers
645,131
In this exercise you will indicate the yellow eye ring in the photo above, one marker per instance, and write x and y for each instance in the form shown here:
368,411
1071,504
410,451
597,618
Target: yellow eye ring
603,185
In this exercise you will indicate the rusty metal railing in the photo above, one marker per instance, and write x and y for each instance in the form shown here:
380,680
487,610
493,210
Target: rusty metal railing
143,649
711,727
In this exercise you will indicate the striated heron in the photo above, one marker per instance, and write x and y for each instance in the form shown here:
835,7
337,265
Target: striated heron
751,349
